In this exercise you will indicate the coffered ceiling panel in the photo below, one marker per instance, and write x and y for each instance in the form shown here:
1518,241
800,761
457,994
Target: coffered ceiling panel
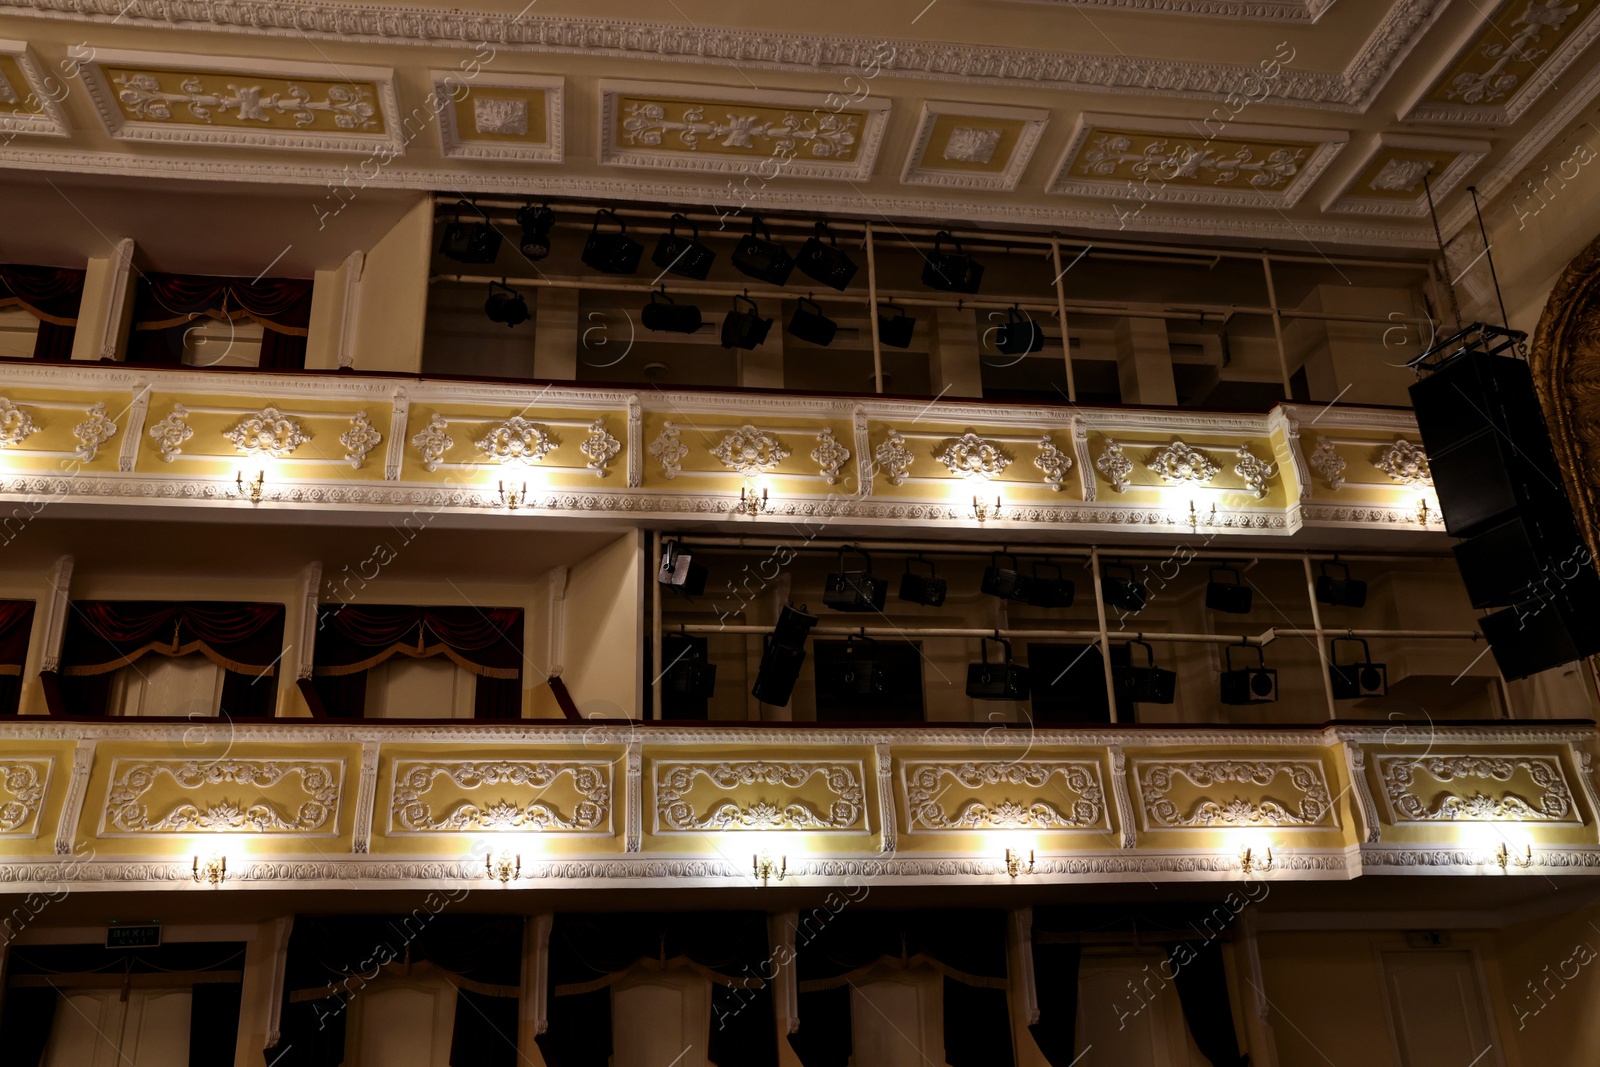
27,104
973,146
501,116
1389,180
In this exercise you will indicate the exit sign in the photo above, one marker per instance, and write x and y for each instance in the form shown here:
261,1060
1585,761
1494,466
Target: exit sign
133,935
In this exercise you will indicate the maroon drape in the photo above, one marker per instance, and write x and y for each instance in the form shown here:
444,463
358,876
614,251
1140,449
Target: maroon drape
103,635
166,304
53,295
16,626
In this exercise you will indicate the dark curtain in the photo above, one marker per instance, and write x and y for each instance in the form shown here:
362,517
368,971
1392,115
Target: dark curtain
165,305
1202,983
1055,982
823,1039
352,639
25,1025
16,626
214,1024
53,295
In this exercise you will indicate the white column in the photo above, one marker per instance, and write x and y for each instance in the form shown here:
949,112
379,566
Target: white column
556,336
107,307
1144,362
954,355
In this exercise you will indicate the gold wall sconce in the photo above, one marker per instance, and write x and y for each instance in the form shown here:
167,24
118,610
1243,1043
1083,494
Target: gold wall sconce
1505,858
750,503
1251,863
213,870
251,489
503,865
1014,864
765,869
514,499
983,511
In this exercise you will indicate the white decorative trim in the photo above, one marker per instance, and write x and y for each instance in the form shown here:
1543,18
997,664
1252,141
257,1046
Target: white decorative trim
26,779
675,811
1348,199
127,814
750,451
971,456
366,796
1178,463
916,173
669,451
883,756
171,432
395,456
48,120
432,442
829,455
77,791
268,432
457,144
1356,759
1114,467
412,811
1086,468
633,796
57,606
138,408
599,448
1255,472
1311,808
1128,837
893,457
1052,463
1584,762
1398,775
359,440
95,430
1327,462
1055,795
16,425
1405,463
516,440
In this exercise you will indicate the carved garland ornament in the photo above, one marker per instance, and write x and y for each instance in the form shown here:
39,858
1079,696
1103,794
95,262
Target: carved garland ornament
1255,472
669,451
127,805
95,430
1327,462
1156,781
1053,462
972,456
143,97
1179,462
15,424
433,442
25,781
359,440
750,451
171,432
1114,467
1399,774
517,440
1405,462
676,811
894,458
927,784
268,432
829,455
412,811
599,448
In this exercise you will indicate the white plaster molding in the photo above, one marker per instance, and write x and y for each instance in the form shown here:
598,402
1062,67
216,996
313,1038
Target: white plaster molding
1038,794
313,813
633,796
473,144
394,459
77,790
883,757
1128,838
1356,762
635,449
279,946
57,607
26,779
477,796
366,799
310,591
138,408
1397,774
675,811
916,172
42,88
359,440
349,307
1346,200
1308,805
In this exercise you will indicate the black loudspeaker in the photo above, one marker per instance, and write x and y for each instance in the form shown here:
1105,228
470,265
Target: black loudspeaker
688,679
664,315
1050,591
951,272
1019,334
996,681
470,242
746,328
1487,478
827,263
1476,393
1354,680
779,670
895,331
1248,685
1148,684
1006,582
1124,593
1541,634
854,590
684,256
809,323
1343,591
1507,564
928,589
611,253
762,258
1233,597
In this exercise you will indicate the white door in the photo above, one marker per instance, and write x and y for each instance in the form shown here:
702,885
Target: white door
97,1028
1436,1006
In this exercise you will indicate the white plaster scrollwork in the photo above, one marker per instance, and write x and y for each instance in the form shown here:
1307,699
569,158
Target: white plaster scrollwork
829,455
1179,462
144,99
1405,462
1494,82
1255,472
171,432
1327,462
669,451
1129,837
587,781
127,808
359,440
1114,467
842,809
1108,152
883,755
894,458
15,424
633,828
517,440
24,781
1412,801
832,136
1060,795
432,441
95,430
750,451
1052,462
367,787
1158,780
972,456
268,432
1356,756
599,448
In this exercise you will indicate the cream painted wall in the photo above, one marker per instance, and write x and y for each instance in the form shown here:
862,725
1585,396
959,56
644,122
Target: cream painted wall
393,294
333,307
1550,970
603,635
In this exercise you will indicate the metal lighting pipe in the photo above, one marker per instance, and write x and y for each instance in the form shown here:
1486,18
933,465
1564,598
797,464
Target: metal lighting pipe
1277,327
1105,639
655,627
1467,635
1316,622
872,314
1264,638
1061,310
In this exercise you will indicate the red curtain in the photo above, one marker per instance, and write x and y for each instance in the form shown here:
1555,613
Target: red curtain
16,626
165,305
53,295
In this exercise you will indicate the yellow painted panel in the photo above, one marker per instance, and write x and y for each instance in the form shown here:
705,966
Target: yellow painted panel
34,777
1194,161
1510,48
245,100
730,128
492,114
971,144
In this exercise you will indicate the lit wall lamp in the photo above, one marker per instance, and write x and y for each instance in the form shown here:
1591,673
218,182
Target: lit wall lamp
514,499
750,502
1250,863
1423,511
1504,857
765,869
1014,864
213,870
251,489
983,511
504,865
1196,517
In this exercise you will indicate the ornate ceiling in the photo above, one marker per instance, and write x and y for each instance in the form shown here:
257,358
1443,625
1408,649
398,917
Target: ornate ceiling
1254,120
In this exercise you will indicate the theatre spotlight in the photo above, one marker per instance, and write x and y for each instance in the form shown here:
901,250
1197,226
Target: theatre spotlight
809,323
1248,685
744,329
470,242
664,315
679,570
762,258
1344,591
895,330
1233,597
505,305
827,263
1019,334
685,256
1124,593
608,252
536,223
926,589
951,272
783,652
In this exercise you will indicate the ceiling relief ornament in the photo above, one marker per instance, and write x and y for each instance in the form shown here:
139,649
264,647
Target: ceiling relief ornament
894,459
1005,795
1186,794
599,448
500,115
1327,462
1432,789
973,146
1513,57
15,424
1167,161
652,124
1052,463
1255,472
750,451
1498,65
504,116
516,440
268,432
1390,179
24,782
95,430
236,796
971,456
432,442
142,96
829,455
669,451
764,796
1178,463
517,795
1115,467
171,432
359,440
1405,462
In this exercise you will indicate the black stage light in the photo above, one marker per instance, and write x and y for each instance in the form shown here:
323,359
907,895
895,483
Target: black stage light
1248,685
470,242
1019,334
827,263
794,624
782,653
951,272
1005,582
1345,591
744,329
1050,591
761,257
536,223
860,590
1353,680
927,589
684,256
894,331
664,315
1148,684
1124,593
505,305
1233,597
809,323
688,680
997,681
678,570
611,253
